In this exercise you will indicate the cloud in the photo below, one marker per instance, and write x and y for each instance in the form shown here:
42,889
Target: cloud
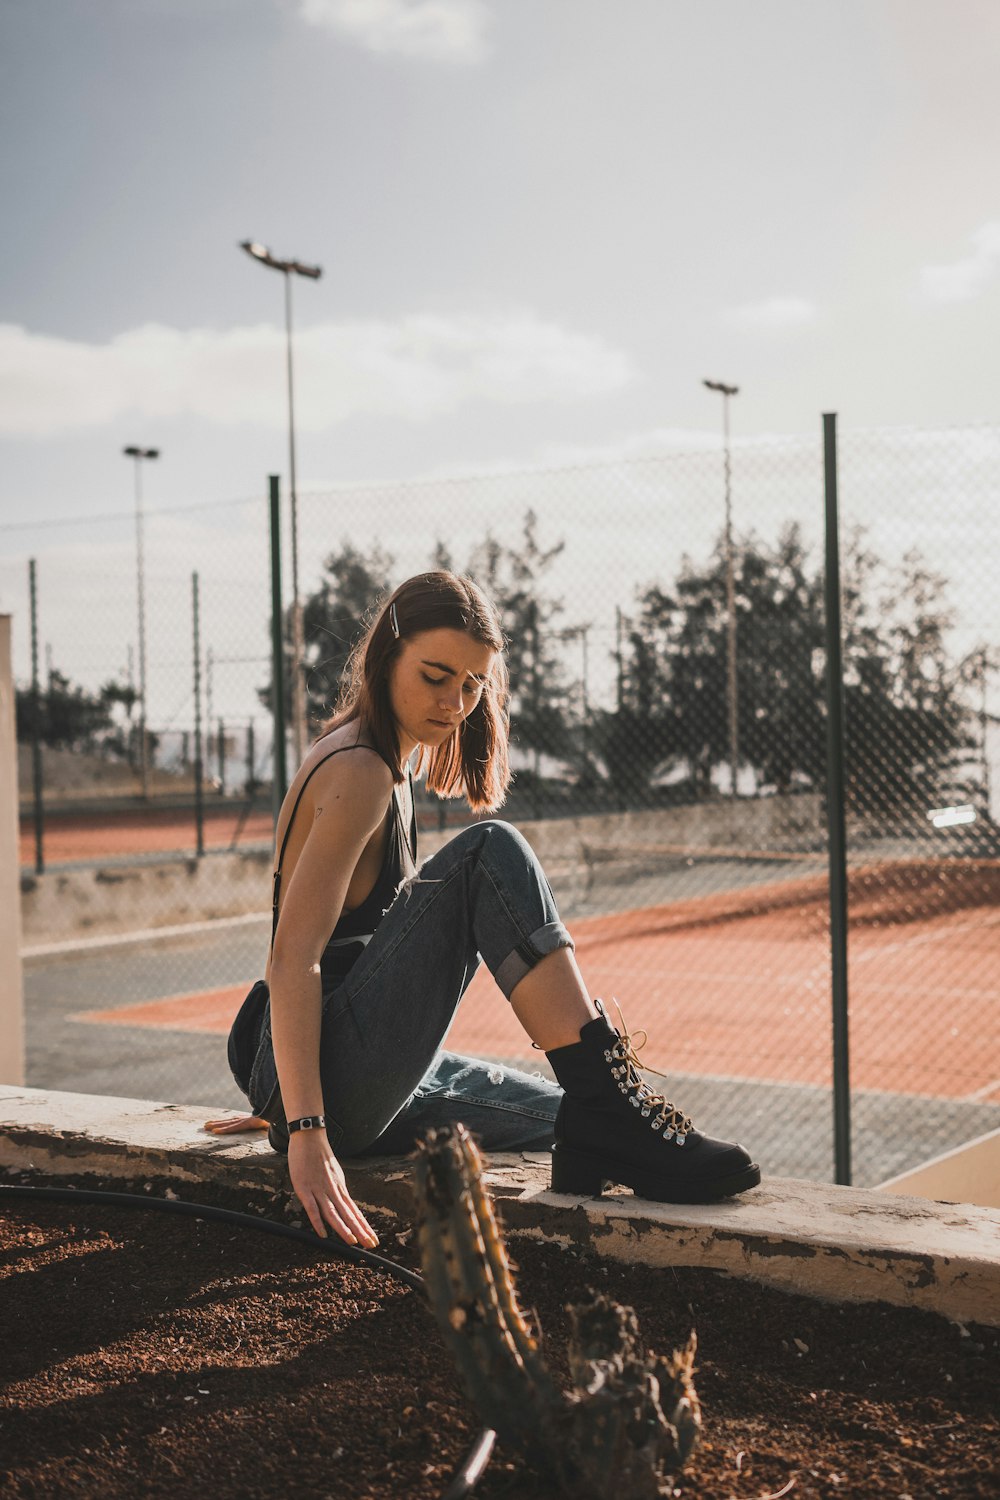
966,278
450,31
418,368
774,314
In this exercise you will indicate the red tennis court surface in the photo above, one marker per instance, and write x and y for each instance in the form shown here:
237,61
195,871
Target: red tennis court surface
151,830
738,984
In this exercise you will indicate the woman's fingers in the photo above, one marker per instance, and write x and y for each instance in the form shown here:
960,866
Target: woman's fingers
342,1214
234,1127
321,1189
322,1211
357,1222
322,1192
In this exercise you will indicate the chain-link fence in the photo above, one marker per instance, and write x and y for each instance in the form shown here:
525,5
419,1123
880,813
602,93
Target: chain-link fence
669,740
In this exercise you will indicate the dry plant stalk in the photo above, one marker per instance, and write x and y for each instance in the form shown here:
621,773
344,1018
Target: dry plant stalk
631,1418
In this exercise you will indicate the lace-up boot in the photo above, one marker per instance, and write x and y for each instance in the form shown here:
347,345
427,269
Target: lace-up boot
612,1127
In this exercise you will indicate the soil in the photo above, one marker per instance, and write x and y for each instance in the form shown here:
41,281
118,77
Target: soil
159,1356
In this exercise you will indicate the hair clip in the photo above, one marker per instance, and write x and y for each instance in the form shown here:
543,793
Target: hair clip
393,620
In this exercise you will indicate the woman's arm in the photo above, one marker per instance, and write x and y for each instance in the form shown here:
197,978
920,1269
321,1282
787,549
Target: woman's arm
348,804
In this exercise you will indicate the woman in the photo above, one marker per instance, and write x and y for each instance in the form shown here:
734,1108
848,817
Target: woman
339,1048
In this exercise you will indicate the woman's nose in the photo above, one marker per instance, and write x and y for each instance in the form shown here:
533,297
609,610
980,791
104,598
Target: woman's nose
451,698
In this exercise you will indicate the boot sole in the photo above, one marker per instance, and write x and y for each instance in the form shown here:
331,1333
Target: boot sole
583,1173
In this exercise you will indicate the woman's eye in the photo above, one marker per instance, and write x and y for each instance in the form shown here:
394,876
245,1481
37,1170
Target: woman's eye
473,689
434,681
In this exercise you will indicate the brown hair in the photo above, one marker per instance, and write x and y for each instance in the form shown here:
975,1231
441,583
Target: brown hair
473,760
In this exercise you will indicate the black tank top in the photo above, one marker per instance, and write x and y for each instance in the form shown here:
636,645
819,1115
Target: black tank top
356,928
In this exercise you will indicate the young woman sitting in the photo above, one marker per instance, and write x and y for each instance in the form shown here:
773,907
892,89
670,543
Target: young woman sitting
339,1048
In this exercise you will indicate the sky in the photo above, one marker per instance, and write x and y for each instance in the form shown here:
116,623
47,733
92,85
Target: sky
541,223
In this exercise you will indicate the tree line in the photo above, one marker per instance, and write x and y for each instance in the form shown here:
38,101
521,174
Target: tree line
667,736
910,732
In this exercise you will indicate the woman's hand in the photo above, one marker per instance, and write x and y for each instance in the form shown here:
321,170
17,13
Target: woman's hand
236,1126
318,1180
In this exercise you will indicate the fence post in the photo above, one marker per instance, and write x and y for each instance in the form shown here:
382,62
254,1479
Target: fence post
11,977
199,804
37,779
279,782
221,761
836,820
251,785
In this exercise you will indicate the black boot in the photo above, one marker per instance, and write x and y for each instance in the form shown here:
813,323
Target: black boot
613,1128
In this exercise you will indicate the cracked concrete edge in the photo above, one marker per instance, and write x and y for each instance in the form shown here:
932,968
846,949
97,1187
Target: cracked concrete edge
839,1244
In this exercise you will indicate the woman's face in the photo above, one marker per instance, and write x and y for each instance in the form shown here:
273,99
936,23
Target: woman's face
434,683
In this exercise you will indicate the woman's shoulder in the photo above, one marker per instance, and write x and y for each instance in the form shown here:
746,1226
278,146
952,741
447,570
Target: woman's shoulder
345,756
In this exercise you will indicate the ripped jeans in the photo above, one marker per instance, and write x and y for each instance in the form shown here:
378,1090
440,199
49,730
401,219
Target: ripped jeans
385,1078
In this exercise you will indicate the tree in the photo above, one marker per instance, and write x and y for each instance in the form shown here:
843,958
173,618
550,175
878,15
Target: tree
515,578
780,663
333,619
67,717
675,676
906,722
124,697
640,737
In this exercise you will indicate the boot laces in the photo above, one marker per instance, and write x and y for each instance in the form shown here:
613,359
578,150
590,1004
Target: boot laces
667,1116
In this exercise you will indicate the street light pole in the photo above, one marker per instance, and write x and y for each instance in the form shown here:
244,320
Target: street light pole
140,578
290,268
731,683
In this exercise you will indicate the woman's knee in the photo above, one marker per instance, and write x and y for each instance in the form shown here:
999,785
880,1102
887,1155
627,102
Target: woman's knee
496,835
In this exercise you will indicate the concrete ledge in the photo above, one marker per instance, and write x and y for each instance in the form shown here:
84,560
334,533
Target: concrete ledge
841,1244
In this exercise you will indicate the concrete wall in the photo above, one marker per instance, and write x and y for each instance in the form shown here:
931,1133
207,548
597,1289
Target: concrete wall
117,898
124,897
764,823
11,988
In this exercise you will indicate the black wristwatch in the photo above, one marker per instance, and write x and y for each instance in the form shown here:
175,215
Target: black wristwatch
307,1122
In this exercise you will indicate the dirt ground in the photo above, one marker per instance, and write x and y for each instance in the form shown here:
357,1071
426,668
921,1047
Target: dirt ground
156,1356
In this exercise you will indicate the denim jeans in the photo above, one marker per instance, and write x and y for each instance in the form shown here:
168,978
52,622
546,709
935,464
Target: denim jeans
385,1078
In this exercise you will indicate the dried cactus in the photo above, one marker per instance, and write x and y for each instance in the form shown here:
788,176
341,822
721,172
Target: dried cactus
631,1418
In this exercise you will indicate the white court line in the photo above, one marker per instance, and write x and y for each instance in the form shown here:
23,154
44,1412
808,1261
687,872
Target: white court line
144,935
922,938
987,1088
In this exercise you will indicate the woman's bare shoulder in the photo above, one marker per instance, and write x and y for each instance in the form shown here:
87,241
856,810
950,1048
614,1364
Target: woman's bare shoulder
346,764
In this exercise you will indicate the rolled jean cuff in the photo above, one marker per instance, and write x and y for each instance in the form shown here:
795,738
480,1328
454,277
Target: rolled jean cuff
522,959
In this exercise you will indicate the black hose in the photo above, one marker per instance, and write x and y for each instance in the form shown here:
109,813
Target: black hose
470,1470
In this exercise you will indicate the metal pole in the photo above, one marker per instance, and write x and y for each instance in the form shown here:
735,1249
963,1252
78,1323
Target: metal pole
585,697
984,722
222,758
251,785
38,783
536,792
298,684
140,576
731,683
731,676
209,683
279,781
836,819
199,806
